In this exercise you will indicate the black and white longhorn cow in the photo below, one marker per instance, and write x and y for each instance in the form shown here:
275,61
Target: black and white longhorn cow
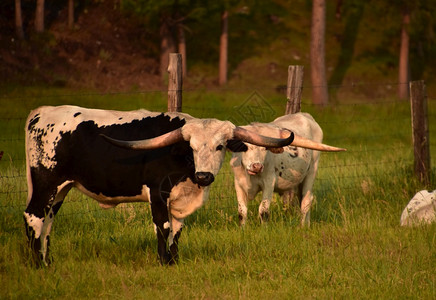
167,159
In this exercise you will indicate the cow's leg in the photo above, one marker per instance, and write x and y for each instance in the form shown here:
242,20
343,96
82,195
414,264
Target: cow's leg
267,195
176,230
291,199
43,204
159,211
241,187
242,197
287,198
306,194
306,204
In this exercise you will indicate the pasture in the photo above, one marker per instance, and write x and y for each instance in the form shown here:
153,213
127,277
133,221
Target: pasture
353,248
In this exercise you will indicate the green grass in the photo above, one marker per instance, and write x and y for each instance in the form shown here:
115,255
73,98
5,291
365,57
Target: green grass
354,247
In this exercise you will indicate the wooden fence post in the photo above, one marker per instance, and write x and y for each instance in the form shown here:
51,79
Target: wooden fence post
420,130
175,82
294,88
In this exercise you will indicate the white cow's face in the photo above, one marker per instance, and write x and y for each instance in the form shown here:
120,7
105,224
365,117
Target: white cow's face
208,139
254,158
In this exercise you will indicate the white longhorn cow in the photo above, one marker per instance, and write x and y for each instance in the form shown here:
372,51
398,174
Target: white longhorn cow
294,168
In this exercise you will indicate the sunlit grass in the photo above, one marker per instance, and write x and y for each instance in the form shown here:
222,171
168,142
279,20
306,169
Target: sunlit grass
353,248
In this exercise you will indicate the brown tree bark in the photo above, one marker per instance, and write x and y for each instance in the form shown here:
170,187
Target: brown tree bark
317,53
223,49
167,45
39,16
19,20
338,9
403,68
182,46
70,14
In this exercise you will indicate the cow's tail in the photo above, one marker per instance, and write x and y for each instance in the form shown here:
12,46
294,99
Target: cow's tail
28,175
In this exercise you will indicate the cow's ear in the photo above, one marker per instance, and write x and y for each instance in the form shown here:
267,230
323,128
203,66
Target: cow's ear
275,150
236,145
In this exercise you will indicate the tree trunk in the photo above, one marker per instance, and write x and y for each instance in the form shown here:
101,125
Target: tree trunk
39,16
317,60
403,72
223,49
167,46
182,46
338,9
70,14
19,20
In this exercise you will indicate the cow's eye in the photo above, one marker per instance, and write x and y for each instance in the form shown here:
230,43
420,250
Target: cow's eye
219,147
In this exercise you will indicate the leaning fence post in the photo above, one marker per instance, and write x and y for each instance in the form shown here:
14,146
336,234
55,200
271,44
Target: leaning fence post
175,82
420,130
294,88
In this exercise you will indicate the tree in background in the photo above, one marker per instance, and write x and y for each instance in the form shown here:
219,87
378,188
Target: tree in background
403,65
167,41
222,79
410,25
70,14
317,53
19,20
351,13
417,22
402,48
161,13
422,32
171,16
182,44
200,18
250,9
39,16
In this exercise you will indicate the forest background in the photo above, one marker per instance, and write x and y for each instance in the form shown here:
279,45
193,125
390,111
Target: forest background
123,45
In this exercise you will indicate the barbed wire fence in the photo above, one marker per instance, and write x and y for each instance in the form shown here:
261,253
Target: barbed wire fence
13,187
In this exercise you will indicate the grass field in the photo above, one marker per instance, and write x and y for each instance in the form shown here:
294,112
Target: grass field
354,247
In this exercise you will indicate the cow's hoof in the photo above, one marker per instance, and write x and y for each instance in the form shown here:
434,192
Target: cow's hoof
172,261
241,221
168,260
38,262
264,217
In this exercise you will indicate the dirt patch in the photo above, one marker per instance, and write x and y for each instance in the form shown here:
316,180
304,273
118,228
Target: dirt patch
105,50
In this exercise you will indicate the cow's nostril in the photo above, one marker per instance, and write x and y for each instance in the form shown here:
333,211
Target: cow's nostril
257,167
204,178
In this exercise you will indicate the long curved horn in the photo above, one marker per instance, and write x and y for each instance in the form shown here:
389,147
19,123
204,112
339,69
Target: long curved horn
302,142
163,140
264,141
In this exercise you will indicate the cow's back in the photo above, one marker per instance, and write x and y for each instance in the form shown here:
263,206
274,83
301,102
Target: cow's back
65,143
302,124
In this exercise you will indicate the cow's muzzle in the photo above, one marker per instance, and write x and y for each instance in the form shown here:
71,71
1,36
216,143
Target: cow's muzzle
204,178
255,168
